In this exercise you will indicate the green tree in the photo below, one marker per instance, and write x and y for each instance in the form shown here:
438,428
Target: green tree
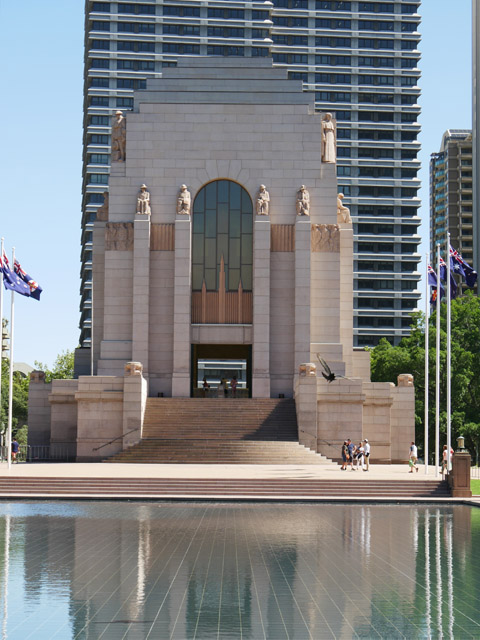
409,357
19,398
62,367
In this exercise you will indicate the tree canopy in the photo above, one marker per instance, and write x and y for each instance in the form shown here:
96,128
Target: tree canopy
409,357
62,367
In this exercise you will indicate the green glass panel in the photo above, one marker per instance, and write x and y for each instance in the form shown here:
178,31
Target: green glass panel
234,224
211,196
222,247
197,277
247,222
211,279
234,253
222,220
223,190
246,202
235,195
233,279
210,223
246,277
210,253
247,248
198,222
197,248
199,203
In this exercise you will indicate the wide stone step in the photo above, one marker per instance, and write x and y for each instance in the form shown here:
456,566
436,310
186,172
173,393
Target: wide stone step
286,488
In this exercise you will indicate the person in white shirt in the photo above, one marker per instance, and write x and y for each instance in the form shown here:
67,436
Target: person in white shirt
412,461
366,454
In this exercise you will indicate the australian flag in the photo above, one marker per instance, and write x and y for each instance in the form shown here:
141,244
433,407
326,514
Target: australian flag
443,276
432,281
458,265
14,282
35,290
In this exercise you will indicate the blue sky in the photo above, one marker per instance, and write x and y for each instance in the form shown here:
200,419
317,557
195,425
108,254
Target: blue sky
41,62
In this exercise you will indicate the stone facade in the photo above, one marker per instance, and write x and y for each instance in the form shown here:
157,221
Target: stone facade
244,122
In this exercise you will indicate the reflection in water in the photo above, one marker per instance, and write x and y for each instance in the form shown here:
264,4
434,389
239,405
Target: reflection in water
117,570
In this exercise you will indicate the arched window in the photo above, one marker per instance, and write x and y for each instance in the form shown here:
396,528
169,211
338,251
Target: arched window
222,237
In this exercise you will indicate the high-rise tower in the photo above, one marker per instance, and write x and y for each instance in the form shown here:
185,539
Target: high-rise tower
361,61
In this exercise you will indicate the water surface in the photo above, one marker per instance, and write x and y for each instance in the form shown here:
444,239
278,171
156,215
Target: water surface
115,570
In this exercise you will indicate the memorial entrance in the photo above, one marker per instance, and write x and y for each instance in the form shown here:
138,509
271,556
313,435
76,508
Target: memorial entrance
217,365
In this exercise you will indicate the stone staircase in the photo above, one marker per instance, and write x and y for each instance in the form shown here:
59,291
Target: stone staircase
219,431
284,489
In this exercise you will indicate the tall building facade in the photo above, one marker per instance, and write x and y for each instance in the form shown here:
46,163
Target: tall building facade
451,193
361,61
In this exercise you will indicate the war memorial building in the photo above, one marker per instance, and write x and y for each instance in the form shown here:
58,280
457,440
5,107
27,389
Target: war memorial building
223,237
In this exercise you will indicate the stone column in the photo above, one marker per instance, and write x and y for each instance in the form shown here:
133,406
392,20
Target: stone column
302,292
306,405
261,308
182,307
141,289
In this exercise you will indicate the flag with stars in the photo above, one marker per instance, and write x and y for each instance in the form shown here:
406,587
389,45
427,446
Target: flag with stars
432,281
11,280
35,290
458,265
443,276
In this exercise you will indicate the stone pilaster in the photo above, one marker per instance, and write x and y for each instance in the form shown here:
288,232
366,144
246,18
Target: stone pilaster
141,289
261,308
302,291
182,307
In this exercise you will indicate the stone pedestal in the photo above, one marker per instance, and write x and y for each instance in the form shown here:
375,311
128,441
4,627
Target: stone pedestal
302,291
459,478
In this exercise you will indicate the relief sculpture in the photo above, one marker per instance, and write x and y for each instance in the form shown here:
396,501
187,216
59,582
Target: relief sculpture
119,236
325,238
102,211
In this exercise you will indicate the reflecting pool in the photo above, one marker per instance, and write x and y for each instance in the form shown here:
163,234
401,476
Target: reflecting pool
201,570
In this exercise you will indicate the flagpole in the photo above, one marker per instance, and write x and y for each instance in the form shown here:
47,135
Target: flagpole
1,321
449,357
437,370
10,377
427,302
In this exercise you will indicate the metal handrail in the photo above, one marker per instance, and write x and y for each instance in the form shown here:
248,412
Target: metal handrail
118,438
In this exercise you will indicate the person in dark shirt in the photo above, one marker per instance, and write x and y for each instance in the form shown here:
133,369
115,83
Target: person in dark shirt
351,449
15,447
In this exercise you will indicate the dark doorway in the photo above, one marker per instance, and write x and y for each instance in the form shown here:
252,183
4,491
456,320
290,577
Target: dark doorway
221,361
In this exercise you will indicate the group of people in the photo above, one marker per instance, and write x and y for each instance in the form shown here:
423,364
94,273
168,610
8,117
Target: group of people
413,458
356,456
222,388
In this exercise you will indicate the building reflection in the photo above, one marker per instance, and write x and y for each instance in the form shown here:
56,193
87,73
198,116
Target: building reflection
268,570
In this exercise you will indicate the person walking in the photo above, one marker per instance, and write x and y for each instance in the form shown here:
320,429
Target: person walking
366,454
344,455
359,455
15,447
413,457
351,451
444,460
233,385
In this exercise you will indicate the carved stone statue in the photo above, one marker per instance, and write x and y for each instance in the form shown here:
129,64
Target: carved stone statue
307,369
102,211
133,369
119,137
343,212
325,238
329,139
263,201
184,201
405,380
143,201
303,202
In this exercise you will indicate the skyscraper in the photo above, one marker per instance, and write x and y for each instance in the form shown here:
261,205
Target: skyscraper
361,61
451,194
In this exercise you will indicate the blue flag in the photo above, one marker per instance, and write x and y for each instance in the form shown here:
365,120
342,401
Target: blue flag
35,290
11,280
443,276
458,265
432,281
